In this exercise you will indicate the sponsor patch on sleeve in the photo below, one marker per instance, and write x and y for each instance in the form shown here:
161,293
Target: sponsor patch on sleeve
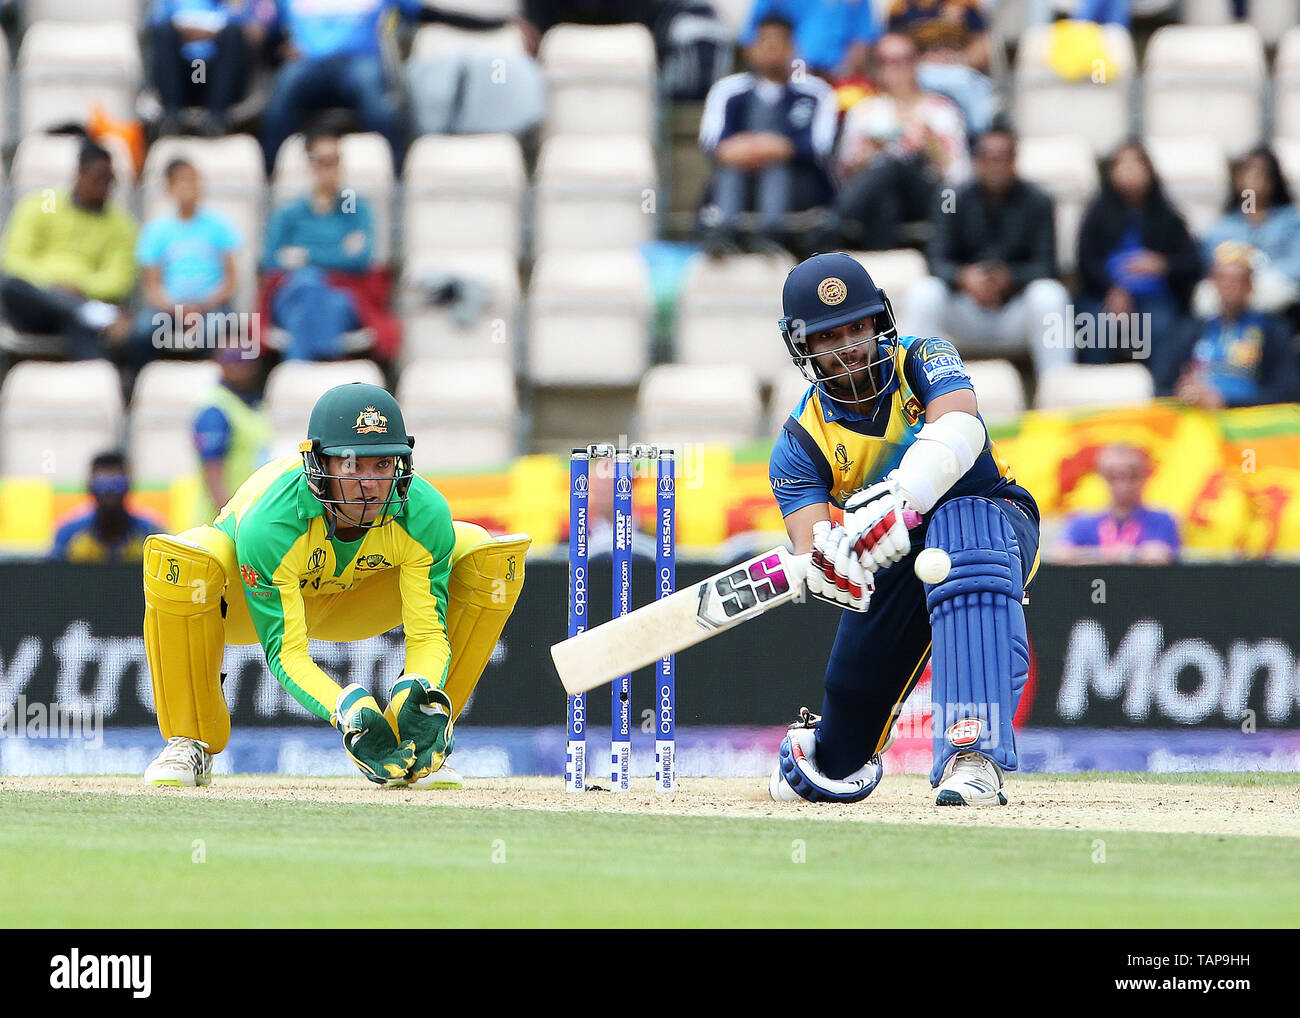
942,366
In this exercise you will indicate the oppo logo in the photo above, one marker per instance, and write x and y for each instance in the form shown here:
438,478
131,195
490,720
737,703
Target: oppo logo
580,591
665,582
665,710
579,715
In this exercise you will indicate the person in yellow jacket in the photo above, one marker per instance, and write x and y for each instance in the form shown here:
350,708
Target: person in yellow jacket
342,543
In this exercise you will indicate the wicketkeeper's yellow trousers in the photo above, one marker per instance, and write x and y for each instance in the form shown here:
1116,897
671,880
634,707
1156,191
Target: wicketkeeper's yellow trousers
185,581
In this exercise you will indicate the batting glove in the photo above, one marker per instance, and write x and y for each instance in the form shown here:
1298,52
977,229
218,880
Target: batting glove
422,713
874,520
368,738
835,573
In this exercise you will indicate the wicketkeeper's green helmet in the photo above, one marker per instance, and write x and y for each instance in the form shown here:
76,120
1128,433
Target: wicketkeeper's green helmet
357,420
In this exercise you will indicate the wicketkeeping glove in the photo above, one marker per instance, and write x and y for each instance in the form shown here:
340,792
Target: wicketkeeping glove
423,716
368,738
874,519
835,573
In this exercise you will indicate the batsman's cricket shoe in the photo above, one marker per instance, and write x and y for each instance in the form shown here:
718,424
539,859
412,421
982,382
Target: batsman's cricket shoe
183,762
971,779
443,777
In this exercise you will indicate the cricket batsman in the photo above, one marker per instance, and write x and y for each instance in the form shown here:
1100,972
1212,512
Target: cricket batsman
340,543
891,423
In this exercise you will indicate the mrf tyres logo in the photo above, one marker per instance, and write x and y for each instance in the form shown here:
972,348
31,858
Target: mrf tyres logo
1146,678
77,971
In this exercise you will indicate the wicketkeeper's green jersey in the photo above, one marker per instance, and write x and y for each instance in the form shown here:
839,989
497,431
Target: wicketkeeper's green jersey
284,555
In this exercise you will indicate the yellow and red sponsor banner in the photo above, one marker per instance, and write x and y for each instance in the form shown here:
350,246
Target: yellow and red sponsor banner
1232,478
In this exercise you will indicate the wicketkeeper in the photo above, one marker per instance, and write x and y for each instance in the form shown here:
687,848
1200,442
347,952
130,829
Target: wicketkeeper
342,543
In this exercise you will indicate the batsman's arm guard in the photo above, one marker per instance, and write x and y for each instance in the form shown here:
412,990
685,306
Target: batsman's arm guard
487,575
185,633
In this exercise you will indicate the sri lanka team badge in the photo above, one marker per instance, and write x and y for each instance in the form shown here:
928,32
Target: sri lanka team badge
371,421
832,291
912,409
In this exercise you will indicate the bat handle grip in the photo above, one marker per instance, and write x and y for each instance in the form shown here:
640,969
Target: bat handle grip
912,518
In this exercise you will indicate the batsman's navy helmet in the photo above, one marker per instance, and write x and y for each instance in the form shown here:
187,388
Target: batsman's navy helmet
825,292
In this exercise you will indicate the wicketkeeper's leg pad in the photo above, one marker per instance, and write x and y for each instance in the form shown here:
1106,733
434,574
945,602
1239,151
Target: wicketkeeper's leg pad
185,635
487,575
980,657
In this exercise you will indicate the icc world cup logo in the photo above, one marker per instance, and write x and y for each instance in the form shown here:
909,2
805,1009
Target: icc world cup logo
665,485
624,486
580,484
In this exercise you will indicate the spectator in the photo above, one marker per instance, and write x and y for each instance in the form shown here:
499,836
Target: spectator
334,59
769,137
68,264
1135,258
956,25
1239,357
222,39
943,69
187,262
107,531
1259,212
832,37
231,432
1128,531
320,249
993,259
895,149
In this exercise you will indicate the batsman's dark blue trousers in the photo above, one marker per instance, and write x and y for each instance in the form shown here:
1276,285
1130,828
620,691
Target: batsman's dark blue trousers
878,656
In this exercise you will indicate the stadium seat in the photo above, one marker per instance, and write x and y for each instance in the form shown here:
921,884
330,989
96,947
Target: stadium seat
438,40
66,69
163,406
1273,18
1194,172
432,332
594,193
1074,386
895,272
483,8
684,404
734,14
1286,87
728,311
463,194
600,80
292,389
55,417
50,161
367,167
1206,12
463,414
588,318
234,185
1288,155
1065,168
1201,79
4,91
128,11
1098,110
998,390
787,390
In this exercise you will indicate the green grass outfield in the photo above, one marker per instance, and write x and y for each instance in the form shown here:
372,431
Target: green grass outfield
70,859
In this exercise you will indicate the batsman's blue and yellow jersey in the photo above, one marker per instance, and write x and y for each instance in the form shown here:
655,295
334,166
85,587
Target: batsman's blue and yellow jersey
825,453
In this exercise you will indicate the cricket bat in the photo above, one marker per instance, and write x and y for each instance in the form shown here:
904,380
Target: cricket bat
683,619
680,620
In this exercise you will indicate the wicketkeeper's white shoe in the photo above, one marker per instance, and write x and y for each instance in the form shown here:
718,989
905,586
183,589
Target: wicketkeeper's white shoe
183,762
971,779
443,777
